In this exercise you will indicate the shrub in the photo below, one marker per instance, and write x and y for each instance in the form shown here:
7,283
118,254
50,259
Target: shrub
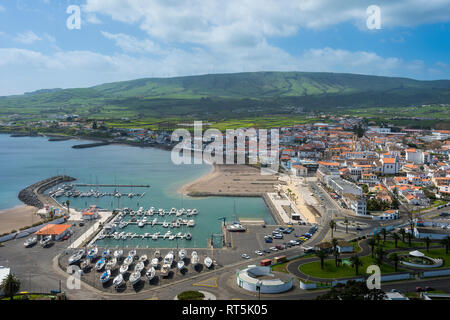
191,295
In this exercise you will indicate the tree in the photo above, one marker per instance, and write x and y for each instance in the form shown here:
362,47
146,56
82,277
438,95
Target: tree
10,286
371,242
378,238
334,242
68,206
380,254
427,242
402,233
322,254
346,224
336,254
409,235
356,262
384,233
446,243
395,259
352,290
396,237
332,226
365,188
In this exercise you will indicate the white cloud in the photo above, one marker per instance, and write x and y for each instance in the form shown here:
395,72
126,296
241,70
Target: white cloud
28,37
131,44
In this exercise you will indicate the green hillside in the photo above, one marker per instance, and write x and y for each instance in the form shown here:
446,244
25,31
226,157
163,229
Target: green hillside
228,95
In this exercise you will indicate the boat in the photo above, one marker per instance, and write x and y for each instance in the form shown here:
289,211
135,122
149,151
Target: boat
208,262
191,223
182,254
180,265
135,277
100,264
76,256
45,241
173,211
172,236
236,227
188,236
165,224
165,269
85,264
132,253
105,276
155,262
154,221
106,253
123,268
139,267
92,254
143,258
168,259
30,241
111,264
140,224
155,236
150,273
128,260
194,211
194,259
118,281
118,254
167,234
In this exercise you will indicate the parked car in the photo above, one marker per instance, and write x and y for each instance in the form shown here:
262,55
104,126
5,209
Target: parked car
279,247
266,251
278,236
444,214
245,256
273,249
259,253
268,239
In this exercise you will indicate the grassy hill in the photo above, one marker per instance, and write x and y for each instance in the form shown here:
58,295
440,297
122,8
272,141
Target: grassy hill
228,95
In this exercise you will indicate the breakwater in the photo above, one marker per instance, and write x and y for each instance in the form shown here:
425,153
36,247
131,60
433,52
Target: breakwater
90,145
34,195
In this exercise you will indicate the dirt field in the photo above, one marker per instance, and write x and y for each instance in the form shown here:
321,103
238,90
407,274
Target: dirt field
232,180
16,218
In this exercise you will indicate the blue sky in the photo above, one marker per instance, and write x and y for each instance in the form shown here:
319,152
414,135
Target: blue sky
129,39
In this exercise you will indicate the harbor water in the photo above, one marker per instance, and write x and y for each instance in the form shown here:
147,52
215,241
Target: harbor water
26,160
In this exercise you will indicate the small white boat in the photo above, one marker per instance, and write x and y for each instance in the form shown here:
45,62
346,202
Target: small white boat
165,269
118,281
76,257
45,241
128,260
168,259
191,223
123,268
100,264
139,267
118,254
111,264
85,264
172,236
208,262
143,258
173,211
140,224
167,234
155,236
92,254
165,224
150,273
30,241
155,262
188,236
105,276
135,277
132,253
180,265
194,259
182,254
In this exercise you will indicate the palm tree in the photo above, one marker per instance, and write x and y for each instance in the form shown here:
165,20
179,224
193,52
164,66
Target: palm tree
380,253
336,254
396,237
334,242
346,224
332,226
427,242
395,258
410,236
10,286
384,233
378,238
322,254
403,233
446,243
68,206
356,262
371,242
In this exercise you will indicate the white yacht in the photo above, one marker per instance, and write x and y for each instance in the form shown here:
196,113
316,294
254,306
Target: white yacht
172,236
132,253
208,262
188,236
155,262
76,257
140,224
128,260
139,267
191,223
182,254
194,259
150,273
165,224
111,264
168,259
155,236
30,241
135,277
165,269
173,211
124,268
167,234
118,281
154,221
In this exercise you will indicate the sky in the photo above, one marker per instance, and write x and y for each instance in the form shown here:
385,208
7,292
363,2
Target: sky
43,46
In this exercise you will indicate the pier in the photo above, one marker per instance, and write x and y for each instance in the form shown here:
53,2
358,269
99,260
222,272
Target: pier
112,185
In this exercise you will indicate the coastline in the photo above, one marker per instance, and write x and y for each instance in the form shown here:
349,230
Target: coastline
17,217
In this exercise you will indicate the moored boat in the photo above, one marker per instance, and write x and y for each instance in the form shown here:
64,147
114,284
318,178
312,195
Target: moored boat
123,268
135,277
111,264
118,281
208,262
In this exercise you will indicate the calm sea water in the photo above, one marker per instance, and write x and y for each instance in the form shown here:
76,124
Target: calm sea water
27,160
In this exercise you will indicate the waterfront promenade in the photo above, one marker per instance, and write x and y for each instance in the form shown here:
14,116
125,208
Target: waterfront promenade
104,216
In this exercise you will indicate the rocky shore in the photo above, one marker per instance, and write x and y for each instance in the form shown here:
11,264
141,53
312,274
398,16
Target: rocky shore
34,195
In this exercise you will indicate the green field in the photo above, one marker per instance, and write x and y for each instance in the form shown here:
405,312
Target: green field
330,271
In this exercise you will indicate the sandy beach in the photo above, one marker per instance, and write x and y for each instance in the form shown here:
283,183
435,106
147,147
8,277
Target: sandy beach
16,218
231,180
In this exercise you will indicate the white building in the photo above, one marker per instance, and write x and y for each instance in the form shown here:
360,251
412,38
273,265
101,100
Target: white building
389,166
414,156
248,279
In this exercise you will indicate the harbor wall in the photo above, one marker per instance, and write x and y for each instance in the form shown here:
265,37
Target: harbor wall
272,209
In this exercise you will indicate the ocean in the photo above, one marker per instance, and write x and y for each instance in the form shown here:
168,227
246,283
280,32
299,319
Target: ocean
26,160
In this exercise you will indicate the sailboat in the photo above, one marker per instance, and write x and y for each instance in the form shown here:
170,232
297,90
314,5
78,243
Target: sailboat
118,281
182,254
180,265
194,258
85,264
105,276
154,262
123,268
128,260
135,277
111,264
118,254
139,267
100,264
143,258
168,259
92,254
